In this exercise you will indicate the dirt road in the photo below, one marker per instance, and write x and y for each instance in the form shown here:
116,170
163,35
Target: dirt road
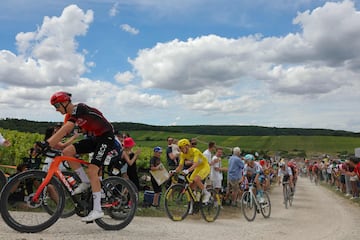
317,213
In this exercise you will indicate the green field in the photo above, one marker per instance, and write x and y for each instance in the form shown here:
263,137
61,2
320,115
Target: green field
311,145
284,146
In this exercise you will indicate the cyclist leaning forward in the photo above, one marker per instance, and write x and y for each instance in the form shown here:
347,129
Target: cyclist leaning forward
92,121
254,173
200,168
287,175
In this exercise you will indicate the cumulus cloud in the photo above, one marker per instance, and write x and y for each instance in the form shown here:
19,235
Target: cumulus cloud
49,55
124,77
313,61
207,75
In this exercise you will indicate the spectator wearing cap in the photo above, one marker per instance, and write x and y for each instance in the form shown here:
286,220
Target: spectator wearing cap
130,157
155,166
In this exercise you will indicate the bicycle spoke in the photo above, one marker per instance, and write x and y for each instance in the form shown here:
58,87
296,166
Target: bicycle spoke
265,207
23,214
177,202
248,206
119,204
211,210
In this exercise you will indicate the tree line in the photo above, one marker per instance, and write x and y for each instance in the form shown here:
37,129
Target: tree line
24,125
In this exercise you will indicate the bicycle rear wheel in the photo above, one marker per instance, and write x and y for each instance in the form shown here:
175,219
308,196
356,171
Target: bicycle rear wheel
211,210
177,202
265,207
135,189
18,209
119,204
248,206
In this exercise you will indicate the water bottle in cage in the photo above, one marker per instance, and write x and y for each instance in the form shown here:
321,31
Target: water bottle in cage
71,180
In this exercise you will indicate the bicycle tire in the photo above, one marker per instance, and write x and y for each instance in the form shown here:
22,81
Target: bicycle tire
265,207
119,204
177,202
248,206
286,195
3,180
290,198
22,214
211,210
135,189
69,208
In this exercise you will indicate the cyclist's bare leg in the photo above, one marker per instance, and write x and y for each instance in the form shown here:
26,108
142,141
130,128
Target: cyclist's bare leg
198,182
70,151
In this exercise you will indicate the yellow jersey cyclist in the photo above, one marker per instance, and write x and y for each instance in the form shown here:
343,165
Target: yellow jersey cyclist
200,168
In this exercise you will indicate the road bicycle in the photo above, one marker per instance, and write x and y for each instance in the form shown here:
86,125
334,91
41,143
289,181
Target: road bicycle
250,205
44,199
287,193
179,197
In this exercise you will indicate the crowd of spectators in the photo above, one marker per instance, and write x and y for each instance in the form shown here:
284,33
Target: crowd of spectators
342,174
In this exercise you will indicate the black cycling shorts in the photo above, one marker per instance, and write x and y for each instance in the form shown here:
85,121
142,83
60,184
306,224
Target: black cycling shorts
99,145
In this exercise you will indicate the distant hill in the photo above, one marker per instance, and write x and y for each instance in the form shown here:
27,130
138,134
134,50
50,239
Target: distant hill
24,125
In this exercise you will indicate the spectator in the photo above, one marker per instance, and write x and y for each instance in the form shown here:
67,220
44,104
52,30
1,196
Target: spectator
155,166
208,154
175,149
171,158
193,142
354,173
4,142
235,169
119,138
216,169
130,158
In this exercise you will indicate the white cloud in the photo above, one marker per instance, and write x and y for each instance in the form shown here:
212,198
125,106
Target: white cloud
129,29
209,79
48,56
124,77
114,10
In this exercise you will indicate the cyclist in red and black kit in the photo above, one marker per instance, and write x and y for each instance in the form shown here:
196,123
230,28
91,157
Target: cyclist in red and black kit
92,121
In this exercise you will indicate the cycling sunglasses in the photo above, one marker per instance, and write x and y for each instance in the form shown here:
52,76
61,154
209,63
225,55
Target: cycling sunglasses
56,105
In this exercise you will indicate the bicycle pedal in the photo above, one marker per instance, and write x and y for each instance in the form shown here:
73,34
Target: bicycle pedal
89,222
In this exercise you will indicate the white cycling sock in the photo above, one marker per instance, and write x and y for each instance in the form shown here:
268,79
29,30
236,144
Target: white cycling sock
82,175
97,201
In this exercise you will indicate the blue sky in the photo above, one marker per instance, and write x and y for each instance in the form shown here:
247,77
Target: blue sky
273,63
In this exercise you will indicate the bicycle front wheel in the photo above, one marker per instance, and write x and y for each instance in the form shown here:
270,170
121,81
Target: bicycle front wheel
119,204
265,207
286,195
211,209
177,202
18,209
248,206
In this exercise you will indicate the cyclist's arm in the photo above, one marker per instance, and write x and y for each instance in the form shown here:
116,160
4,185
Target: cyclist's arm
63,131
61,145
